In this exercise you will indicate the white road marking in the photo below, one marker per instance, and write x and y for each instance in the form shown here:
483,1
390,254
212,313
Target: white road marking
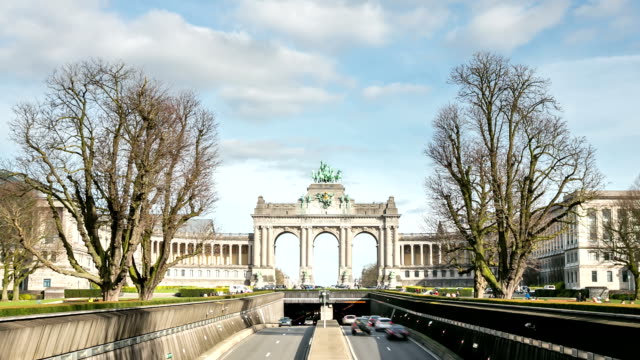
278,342
353,353
424,348
268,354
388,348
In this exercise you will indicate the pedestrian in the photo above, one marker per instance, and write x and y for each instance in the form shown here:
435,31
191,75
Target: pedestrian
527,296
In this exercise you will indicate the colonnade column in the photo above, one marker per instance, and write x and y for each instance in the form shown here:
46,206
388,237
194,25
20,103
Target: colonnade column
272,258
430,254
303,247
264,246
412,257
343,248
421,255
309,247
389,251
394,239
256,246
349,239
381,244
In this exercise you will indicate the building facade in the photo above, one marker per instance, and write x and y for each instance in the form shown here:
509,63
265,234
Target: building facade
576,256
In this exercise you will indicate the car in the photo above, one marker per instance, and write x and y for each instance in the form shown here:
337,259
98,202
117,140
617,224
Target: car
372,319
284,321
348,319
549,287
360,325
397,332
382,323
269,287
308,321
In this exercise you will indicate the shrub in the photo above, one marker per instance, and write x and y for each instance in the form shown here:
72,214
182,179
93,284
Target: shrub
199,292
27,297
82,293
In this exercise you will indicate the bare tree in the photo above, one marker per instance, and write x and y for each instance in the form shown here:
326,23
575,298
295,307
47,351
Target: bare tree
279,277
102,145
506,167
22,220
621,240
369,275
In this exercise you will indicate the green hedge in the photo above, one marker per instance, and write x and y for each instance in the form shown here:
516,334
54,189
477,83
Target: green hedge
582,306
84,306
627,295
199,292
82,293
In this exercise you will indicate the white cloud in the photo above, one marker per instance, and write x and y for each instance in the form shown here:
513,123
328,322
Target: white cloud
421,21
319,23
36,37
600,8
506,26
372,92
581,36
258,102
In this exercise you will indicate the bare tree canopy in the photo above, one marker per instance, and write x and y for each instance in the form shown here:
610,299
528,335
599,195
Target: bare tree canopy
369,275
621,240
22,220
507,171
124,157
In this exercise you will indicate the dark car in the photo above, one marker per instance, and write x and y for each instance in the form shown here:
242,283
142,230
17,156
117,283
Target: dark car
360,325
285,321
372,319
397,332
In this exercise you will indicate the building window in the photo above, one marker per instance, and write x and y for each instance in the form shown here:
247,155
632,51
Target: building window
46,283
435,273
593,256
226,274
184,272
417,273
235,273
594,276
208,273
406,274
443,273
190,273
175,272
625,276
168,273
199,273
609,276
592,225
451,274
606,222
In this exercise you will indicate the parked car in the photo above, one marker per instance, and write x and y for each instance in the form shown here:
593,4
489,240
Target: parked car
308,321
348,319
269,287
239,289
382,323
285,321
397,332
360,325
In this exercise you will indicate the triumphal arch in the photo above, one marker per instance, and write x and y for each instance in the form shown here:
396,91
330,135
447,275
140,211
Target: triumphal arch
326,208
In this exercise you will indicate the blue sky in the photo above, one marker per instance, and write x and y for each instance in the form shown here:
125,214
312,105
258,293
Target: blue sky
354,83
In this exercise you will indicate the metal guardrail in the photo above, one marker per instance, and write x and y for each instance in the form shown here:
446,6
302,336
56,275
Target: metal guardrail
525,340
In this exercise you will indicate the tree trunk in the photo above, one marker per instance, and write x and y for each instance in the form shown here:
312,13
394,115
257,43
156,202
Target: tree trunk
637,278
5,284
16,291
145,292
109,293
479,284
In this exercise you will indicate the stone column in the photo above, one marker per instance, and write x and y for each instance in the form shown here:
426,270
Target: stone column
421,255
381,256
264,246
343,248
401,255
394,239
349,236
256,246
303,247
310,248
412,257
272,257
388,249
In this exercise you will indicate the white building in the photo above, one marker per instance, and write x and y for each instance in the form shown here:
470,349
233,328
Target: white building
575,256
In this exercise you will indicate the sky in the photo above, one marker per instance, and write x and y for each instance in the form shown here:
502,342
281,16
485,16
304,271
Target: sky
354,83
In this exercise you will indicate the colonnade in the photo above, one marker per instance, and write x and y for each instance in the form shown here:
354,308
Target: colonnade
213,252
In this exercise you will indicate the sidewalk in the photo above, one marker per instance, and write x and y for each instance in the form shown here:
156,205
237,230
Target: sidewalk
329,342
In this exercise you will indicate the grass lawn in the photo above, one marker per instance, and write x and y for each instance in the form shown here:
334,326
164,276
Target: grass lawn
27,302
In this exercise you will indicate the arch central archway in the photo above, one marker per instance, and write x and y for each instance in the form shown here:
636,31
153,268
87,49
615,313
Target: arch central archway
326,208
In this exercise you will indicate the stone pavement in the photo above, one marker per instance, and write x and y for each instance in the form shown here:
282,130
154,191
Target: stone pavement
329,342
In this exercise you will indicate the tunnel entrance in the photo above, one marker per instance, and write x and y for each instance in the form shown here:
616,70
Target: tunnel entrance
299,312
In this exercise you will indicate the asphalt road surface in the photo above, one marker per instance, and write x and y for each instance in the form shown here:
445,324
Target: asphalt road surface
377,347
273,343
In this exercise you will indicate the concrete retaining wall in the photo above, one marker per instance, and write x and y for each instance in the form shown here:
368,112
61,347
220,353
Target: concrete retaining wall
181,331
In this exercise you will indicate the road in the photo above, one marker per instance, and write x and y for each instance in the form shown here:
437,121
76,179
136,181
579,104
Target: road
377,347
273,343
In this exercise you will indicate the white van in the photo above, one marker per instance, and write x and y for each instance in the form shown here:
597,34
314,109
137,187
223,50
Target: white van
239,289
549,287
